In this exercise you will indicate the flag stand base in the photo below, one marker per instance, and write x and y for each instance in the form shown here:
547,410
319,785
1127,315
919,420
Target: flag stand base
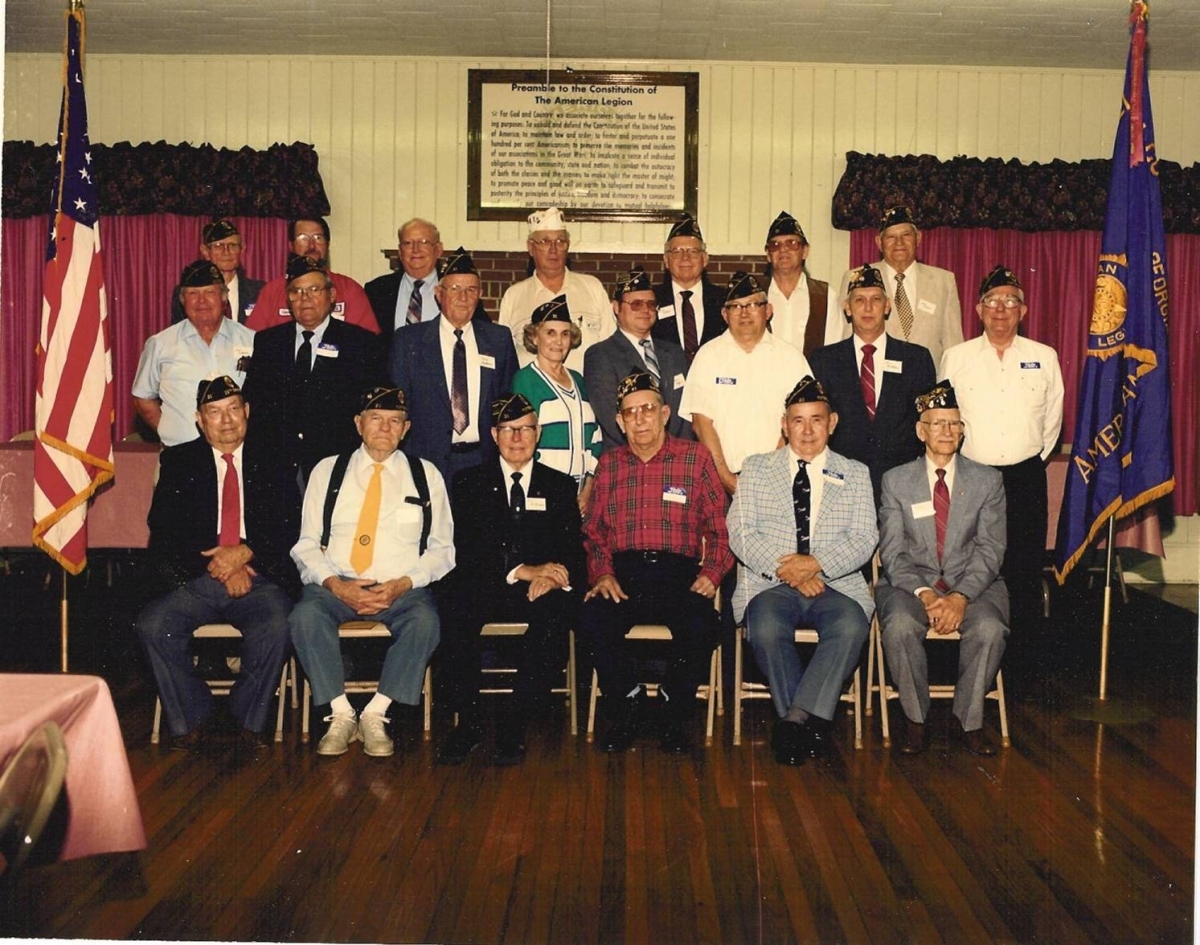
1111,711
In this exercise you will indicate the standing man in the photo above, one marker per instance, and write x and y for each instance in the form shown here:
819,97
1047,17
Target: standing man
307,375
632,348
1010,389
451,369
941,542
803,525
549,244
520,559
375,534
799,303
178,358
221,244
310,238
221,524
657,550
873,380
738,381
924,298
689,306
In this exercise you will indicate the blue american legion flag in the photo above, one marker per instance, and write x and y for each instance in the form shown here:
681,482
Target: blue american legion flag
1121,451
73,453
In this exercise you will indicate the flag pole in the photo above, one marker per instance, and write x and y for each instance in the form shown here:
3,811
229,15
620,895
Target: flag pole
64,619
1104,623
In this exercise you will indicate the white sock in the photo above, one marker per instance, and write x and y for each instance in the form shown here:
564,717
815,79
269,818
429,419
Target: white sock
378,705
341,706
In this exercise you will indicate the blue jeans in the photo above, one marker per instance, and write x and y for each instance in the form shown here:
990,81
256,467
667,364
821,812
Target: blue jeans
165,627
772,617
412,620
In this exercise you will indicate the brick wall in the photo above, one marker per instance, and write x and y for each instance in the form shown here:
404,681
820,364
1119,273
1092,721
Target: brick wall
498,270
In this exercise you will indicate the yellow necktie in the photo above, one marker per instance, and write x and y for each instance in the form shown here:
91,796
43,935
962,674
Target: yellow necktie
364,536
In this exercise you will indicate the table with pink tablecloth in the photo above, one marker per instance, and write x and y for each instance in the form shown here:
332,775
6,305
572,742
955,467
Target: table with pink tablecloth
104,813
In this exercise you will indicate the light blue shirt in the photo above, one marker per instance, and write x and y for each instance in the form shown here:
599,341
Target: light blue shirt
429,306
176,360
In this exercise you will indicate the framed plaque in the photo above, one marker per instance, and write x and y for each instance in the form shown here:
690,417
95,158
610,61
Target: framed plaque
610,146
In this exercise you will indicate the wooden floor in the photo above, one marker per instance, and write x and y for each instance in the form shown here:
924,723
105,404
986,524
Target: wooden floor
1079,832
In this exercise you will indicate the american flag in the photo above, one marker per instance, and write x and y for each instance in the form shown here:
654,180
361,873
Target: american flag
73,453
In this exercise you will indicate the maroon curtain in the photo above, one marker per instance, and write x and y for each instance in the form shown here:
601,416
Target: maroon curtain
1058,272
143,256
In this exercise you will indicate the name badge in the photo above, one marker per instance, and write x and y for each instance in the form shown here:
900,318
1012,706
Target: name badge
727,380
675,494
1031,365
922,509
327,350
243,351
488,361
535,503
926,306
892,367
339,310
836,478
250,308
284,313
679,381
667,311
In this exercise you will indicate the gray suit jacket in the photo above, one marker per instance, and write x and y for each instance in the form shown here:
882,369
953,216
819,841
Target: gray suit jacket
937,312
605,365
762,525
975,532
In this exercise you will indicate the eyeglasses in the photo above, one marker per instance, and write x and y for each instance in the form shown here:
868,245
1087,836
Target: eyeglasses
457,291
641,305
230,246
557,242
740,308
1001,301
306,292
416,244
526,429
315,238
641,410
685,252
942,426
778,246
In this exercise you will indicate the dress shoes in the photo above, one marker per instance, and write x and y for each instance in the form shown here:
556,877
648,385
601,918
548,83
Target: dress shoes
251,741
459,744
817,735
371,732
343,729
675,740
977,743
790,743
623,732
189,741
916,739
510,745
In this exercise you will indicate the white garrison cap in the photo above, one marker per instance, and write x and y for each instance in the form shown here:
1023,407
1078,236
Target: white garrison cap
549,219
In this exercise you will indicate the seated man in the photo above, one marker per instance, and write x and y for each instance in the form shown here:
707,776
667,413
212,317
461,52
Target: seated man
803,524
941,525
520,560
220,528
375,533
657,551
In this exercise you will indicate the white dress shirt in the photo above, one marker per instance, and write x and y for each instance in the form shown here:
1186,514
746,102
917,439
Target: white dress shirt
429,306
790,313
697,300
816,483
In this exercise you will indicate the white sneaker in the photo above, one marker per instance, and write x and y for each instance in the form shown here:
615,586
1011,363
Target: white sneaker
343,729
376,741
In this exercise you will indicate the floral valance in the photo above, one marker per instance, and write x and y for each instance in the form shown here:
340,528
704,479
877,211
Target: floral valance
282,181
973,192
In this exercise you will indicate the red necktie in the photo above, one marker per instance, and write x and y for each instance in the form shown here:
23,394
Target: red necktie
867,379
941,515
688,314
231,506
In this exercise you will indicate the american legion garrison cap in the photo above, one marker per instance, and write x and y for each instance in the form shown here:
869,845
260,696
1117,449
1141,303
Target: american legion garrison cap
785,225
217,230
635,280
218,388
509,408
458,263
941,397
867,277
1000,276
637,381
200,273
808,390
298,266
894,216
383,398
686,225
553,311
741,285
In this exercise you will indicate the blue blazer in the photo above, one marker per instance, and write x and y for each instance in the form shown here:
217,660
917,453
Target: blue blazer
762,526
416,366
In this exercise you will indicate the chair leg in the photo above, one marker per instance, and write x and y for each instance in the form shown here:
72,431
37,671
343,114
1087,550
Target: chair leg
572,685
591,726
283,687
720,688
427,691
856,692
871,662
714,692
157,720
295,683
306,702
737,687
1004,739
881,670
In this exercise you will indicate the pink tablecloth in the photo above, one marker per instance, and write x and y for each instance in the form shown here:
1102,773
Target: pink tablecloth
105,817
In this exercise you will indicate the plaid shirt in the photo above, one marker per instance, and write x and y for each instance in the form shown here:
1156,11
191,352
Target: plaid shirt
672,503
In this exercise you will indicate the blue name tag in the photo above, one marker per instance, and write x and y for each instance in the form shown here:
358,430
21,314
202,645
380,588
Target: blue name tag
1031,365
675,494
726,380
833,476
327,346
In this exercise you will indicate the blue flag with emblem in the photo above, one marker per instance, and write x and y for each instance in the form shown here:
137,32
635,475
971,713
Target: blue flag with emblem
1121,451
